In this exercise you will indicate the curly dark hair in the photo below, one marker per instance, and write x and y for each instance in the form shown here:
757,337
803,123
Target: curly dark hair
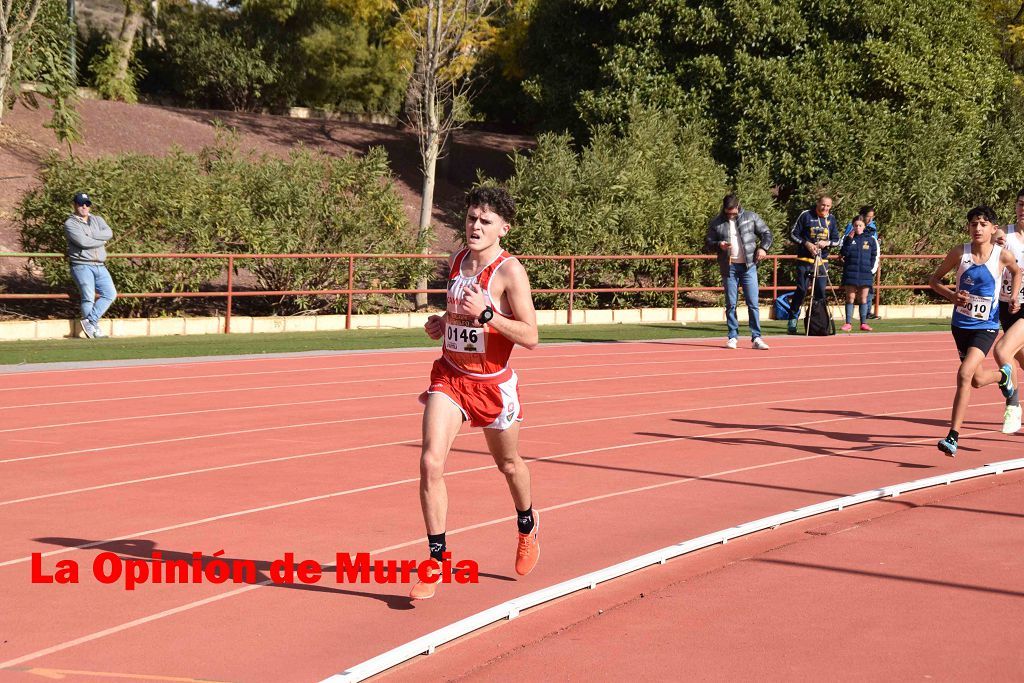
982,212
496,198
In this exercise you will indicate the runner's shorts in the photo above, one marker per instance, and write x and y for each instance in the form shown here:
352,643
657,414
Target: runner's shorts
490,402
1007,319
979,339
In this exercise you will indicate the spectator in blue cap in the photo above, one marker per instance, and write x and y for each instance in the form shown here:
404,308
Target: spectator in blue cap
87,239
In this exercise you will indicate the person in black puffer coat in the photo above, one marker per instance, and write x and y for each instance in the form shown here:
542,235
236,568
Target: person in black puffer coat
860,253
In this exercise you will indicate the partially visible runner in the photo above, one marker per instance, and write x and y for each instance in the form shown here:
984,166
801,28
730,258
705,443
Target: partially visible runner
979,266
490,310
1014,244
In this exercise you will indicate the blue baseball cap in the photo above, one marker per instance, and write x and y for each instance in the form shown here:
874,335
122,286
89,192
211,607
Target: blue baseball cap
82,199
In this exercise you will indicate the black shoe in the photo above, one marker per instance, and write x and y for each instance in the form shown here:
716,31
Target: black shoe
872,316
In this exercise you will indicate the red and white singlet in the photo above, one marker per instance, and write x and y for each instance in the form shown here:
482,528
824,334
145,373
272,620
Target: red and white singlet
481,352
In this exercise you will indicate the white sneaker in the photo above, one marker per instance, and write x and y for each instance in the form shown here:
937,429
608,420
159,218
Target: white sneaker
1011,420
760,344
731,344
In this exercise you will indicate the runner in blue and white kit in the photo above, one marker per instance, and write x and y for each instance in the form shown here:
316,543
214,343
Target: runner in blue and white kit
979,266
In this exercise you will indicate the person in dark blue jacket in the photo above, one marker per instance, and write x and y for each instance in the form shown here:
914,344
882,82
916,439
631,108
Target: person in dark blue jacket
868,211
860,253
814,232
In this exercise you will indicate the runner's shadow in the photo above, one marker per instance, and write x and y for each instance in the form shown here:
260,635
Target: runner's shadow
936,422
892,577
144,549
471,451
801,430
816,450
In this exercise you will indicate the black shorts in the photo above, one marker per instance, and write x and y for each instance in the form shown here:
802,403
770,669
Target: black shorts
979,339
1007,319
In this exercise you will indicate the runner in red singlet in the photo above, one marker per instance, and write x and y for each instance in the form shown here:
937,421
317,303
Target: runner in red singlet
489,311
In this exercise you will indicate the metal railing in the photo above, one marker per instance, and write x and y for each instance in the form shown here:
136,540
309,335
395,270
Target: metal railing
230,293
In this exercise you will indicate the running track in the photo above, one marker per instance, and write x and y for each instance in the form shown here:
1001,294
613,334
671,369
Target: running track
635,446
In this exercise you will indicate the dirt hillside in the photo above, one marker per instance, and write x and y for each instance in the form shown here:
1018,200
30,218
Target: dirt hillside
113,127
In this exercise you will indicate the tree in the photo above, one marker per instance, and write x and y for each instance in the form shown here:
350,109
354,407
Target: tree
115,79
1006,18
16,19
887,101
335,54
447,35
34,42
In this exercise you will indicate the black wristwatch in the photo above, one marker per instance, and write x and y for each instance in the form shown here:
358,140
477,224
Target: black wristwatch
486,315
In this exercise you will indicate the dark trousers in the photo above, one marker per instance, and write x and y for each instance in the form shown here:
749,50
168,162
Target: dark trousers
804,273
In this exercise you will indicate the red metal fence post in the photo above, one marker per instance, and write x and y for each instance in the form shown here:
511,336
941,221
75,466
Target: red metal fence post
351,275
572,286
675,289
227,311
775,277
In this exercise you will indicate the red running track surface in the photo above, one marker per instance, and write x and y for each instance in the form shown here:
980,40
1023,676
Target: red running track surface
924,586
633,446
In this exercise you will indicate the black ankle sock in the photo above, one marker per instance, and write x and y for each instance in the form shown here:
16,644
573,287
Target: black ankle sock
953,435
437,545
1014,399
524,519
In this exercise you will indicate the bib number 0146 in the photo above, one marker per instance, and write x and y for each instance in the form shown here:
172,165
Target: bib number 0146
464,339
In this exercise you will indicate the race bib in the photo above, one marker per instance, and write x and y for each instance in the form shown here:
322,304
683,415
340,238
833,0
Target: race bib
978,307
464,339
1005,291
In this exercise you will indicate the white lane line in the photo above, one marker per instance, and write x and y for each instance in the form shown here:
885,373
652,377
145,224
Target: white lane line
207,361
513,608
801,349
245,589
557,456
350,449
203,411
255,430
278,387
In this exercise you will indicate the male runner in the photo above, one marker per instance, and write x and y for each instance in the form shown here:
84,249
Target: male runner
1014,244
490,310
979,266
1013,240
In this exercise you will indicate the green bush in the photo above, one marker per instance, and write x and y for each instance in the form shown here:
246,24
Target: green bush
650,190
204,61
103,67
221,200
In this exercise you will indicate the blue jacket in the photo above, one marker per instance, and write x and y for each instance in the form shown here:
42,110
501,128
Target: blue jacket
810,227
860,256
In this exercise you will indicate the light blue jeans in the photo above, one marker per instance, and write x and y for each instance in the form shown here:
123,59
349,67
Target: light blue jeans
742,275
93,278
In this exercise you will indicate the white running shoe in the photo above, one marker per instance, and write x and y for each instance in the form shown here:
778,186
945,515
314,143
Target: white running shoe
760,344
731,344
1011,420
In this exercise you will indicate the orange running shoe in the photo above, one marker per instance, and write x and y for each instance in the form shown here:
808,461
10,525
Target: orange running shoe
423,590
528,550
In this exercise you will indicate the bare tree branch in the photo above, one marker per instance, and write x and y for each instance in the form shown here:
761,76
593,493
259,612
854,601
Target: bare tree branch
1017,17
24,27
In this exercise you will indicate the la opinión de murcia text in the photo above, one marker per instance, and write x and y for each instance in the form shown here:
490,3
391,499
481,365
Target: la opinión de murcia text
129,572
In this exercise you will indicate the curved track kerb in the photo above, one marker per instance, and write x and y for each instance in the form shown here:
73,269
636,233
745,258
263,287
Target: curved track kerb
512,608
